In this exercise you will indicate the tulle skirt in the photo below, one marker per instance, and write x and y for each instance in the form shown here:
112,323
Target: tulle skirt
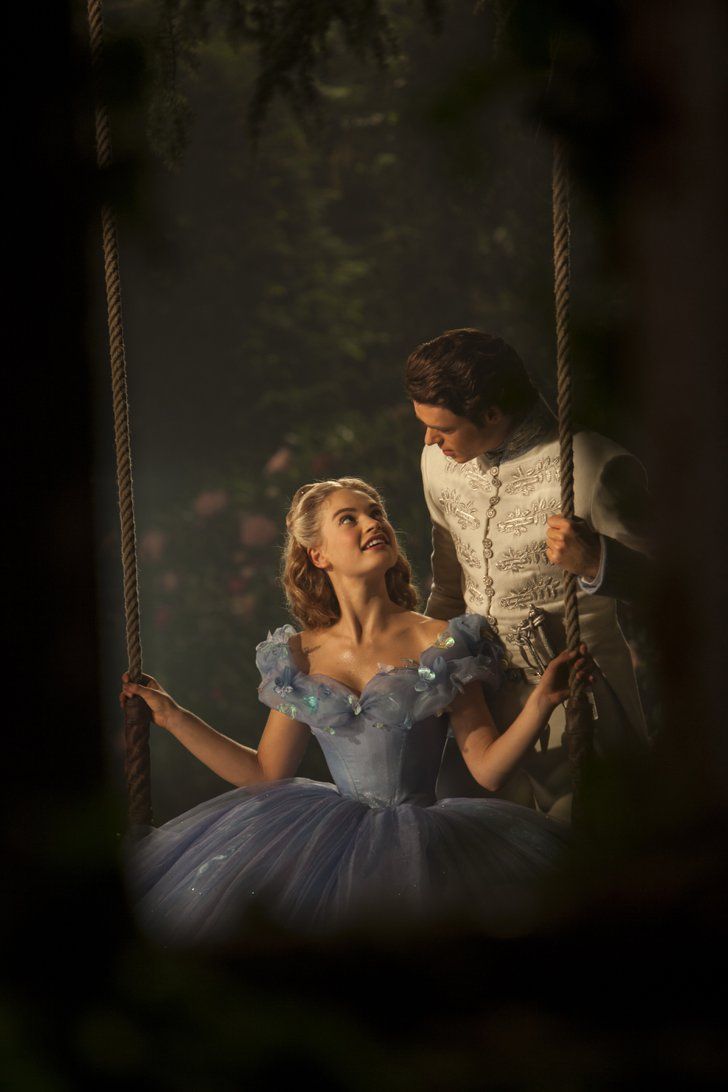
308,859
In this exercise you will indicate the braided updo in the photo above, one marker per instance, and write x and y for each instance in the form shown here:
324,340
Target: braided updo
309,593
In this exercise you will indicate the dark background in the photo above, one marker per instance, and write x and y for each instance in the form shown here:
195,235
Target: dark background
375,255
273,291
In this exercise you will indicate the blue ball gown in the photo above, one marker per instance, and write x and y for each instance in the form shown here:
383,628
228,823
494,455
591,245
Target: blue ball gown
376,847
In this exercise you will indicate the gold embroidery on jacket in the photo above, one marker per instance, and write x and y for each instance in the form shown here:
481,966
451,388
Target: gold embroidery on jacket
537,589
473,592
470,473
510,636
461,509
519,520
515,561
466,553
525,481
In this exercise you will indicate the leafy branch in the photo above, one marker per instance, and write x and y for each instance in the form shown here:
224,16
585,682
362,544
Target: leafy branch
294,40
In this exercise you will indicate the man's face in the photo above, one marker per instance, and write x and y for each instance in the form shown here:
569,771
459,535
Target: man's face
457,437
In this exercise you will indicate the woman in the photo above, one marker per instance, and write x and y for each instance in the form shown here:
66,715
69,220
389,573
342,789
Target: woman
371,679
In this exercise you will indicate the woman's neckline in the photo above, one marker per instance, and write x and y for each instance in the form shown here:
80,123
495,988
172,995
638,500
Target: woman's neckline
350,689
411,665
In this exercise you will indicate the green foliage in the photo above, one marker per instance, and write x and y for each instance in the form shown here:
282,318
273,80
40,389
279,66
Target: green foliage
271,299
571,56
294,39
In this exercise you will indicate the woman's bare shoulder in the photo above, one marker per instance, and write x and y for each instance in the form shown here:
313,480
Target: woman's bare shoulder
304,644
429,628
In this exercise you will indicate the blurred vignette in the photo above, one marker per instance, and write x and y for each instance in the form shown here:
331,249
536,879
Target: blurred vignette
300,279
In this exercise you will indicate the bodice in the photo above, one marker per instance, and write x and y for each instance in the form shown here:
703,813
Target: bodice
383,746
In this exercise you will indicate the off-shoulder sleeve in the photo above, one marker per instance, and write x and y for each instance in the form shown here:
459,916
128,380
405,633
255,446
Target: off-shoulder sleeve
284,687
468,649
276,666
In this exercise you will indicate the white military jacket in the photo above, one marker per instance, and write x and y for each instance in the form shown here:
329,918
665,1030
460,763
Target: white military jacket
489,553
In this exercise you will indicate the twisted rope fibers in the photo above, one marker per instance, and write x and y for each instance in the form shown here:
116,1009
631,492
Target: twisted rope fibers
579,724
136,712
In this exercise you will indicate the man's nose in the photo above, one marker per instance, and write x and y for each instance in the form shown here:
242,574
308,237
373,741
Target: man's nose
430,437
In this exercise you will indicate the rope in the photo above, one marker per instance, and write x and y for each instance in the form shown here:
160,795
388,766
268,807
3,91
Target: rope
136,712
579,725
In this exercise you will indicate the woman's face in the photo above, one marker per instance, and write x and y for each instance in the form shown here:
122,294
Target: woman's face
356,536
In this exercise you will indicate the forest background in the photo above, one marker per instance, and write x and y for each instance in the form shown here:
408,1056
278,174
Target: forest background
620,993
276,272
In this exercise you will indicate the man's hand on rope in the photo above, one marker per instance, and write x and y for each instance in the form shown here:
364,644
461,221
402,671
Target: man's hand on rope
573,546
162,705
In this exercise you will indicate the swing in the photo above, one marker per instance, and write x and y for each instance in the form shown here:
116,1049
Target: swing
137,716
579,723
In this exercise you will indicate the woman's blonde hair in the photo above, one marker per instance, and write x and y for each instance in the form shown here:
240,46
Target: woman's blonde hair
309,593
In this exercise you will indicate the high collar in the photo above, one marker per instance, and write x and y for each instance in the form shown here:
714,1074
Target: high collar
537,424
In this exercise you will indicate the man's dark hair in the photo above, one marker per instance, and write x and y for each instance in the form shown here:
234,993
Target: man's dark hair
466,371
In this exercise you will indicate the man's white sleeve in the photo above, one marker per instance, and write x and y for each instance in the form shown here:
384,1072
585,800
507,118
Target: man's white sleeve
620,512
592,587
446,594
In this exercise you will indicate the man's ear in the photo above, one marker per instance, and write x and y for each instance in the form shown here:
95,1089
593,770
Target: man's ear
318,557
492,415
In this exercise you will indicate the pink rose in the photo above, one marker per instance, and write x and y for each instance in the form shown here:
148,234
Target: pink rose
242,605
321,463
281,460
162,616
152,545
257,530
210,503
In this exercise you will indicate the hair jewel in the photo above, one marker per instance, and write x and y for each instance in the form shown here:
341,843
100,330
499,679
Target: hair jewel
301,492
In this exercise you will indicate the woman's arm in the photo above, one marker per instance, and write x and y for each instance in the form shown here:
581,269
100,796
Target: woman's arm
281,748
492,758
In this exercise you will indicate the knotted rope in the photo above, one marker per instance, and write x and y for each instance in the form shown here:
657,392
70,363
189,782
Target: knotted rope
579,724
136,712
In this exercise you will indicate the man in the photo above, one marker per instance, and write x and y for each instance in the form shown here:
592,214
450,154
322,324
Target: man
491,476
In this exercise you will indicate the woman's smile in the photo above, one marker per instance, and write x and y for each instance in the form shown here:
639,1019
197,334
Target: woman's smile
379,541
